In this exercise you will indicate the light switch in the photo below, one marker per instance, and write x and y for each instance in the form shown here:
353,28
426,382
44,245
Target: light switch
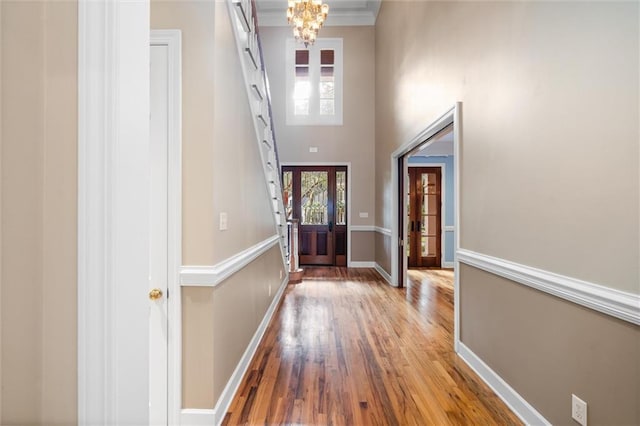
223,221
364,214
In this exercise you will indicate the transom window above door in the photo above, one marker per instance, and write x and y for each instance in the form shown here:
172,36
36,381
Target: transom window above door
314,83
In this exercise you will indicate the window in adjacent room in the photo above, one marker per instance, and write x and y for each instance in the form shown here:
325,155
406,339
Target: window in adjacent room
314,83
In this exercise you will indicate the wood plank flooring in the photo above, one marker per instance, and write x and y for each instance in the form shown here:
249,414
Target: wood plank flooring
345,348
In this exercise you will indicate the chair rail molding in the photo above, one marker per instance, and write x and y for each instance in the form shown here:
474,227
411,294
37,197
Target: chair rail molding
211,276
362,228
619,304
383,231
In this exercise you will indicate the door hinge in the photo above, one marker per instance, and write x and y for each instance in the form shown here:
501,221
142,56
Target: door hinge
400,242
167,292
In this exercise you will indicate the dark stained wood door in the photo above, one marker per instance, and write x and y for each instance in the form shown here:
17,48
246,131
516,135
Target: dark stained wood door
424,217
316,196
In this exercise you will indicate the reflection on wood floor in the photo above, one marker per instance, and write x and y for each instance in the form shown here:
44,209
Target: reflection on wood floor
345,348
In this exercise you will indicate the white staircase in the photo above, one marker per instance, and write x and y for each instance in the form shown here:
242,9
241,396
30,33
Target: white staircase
245,27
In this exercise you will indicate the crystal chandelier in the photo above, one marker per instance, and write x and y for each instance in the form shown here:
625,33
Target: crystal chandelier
306,17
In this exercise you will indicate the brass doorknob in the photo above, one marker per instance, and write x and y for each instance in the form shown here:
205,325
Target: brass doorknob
155,294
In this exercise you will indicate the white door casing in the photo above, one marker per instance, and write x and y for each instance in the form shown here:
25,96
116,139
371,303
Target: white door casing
113,240
113,214
165,227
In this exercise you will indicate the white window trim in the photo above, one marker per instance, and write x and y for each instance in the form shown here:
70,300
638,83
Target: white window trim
314,69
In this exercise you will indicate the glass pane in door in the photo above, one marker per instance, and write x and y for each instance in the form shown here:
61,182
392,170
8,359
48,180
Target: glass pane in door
287,193
430,204
341,198
429,225
429,216
314,198
408,186
428,183
428,246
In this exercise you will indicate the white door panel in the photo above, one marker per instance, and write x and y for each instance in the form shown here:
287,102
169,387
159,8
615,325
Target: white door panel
158,237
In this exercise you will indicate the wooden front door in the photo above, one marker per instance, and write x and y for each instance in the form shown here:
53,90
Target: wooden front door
424,216
316,196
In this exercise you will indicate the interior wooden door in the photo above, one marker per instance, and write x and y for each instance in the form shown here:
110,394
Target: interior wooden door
317,196
424,220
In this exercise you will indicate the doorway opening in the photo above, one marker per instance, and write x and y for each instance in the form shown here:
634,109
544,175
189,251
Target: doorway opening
429,202
317,197
425,216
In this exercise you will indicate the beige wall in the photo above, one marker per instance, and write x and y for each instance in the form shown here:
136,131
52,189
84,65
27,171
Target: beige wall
383,251
221,173
550,125
38,267
218,324
221,165
194,19
363,246
546,358
353,141
549,151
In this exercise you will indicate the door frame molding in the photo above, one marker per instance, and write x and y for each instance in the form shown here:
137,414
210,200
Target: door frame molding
113,237
332,164
452,116
173,40
443,210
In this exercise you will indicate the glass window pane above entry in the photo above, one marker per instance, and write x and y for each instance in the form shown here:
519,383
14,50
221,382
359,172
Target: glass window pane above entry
327,57
326,71
327,90
302,57
321,65
302,106
302,89
327,107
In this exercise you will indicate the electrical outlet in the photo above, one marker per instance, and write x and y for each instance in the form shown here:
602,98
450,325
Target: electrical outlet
280,273
578,410
269,290
313,149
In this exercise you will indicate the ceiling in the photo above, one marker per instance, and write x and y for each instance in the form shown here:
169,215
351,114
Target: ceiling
341,12
441,145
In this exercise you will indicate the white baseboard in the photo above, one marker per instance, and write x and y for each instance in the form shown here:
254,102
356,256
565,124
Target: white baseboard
514,401
362,264
236,378
448,264
384,273
197,417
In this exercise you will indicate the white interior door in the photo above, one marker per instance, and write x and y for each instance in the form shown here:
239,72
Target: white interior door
158,237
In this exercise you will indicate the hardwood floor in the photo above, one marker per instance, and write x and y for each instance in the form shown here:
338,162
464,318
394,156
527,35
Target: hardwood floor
345,348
